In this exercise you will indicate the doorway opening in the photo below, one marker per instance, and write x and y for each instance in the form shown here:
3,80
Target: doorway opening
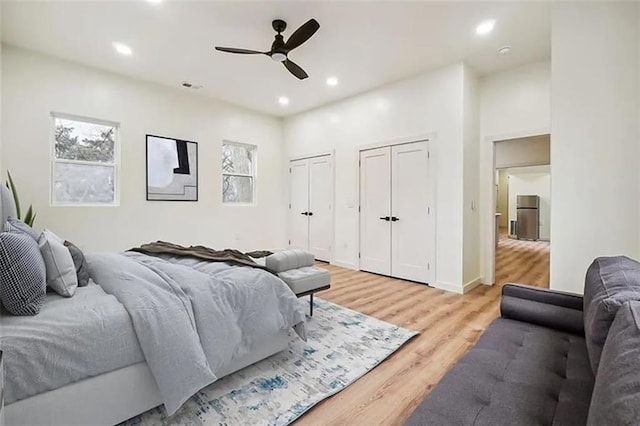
522,182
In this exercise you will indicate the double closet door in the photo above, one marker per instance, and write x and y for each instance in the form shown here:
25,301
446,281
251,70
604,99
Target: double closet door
311,205
396,236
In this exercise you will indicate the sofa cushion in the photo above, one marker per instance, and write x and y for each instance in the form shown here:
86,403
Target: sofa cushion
306,279
289,259
616,395
517,373
610,282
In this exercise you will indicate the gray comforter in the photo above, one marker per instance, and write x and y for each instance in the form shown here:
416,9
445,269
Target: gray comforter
191,317
71,339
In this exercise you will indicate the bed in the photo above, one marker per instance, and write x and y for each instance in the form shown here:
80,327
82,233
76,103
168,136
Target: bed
146,331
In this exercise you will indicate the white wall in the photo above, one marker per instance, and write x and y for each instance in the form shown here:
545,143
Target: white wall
471,218
532,181
432,102
519,152
36,85
513,103
594,137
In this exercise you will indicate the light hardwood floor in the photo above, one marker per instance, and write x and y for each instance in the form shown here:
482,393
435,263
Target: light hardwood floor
449,324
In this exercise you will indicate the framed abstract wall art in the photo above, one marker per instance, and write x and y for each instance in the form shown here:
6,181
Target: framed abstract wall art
172,169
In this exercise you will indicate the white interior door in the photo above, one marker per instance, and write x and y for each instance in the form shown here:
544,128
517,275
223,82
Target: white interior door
321,207
375,206
299,204
410,226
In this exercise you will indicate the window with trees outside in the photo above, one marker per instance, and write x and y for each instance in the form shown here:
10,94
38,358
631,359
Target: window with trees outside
84,169
238,173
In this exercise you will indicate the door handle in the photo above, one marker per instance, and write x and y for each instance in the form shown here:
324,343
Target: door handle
387,218
305,213
394,219
309,213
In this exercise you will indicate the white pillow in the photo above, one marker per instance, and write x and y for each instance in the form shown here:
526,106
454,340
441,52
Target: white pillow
61,271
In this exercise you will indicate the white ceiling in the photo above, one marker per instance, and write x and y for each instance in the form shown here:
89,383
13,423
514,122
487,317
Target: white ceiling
364,44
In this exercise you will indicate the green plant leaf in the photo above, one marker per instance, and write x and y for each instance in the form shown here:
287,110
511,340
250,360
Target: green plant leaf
33,220
29,218
14,191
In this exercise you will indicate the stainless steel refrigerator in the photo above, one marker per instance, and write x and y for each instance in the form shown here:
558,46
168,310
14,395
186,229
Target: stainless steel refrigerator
528,209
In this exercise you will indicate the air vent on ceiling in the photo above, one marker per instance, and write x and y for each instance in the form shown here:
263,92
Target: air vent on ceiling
192,86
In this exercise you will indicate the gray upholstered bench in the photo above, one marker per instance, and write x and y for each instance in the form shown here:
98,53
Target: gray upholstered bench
295,268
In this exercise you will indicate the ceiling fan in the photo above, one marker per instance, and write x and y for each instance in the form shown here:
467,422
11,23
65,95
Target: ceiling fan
280,49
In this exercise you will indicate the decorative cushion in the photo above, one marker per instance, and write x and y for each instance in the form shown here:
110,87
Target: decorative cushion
7,205
17,226
22,274
616,395
289,259
82,270
610,282
61,271
305,279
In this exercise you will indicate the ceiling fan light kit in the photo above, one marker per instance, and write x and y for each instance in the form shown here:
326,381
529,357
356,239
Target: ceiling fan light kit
280,49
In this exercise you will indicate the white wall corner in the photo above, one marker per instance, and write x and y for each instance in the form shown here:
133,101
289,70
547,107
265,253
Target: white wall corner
453,288
471,285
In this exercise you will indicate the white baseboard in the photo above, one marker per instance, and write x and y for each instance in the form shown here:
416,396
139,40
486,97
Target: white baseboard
453,288
471,285
456,288
344,264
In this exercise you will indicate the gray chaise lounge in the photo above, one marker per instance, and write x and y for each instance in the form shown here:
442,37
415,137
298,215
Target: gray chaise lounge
551,359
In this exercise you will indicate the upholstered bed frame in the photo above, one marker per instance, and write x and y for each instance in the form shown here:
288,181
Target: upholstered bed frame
113,397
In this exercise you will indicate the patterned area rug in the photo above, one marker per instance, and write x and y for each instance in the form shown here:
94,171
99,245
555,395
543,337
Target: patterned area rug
343,345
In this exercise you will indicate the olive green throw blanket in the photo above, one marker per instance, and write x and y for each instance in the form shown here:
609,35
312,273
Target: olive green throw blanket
232,256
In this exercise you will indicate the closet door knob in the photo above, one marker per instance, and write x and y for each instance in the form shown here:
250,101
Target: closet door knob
385,218
309,213
394,219
305,213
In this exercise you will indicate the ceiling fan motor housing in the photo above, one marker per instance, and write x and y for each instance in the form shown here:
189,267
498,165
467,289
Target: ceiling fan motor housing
278,52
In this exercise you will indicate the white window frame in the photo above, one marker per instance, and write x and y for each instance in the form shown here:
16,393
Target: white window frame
115,164
253,175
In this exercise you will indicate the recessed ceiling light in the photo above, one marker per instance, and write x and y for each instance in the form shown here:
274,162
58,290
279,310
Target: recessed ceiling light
332,81
122,48
486,27
283,100
505,50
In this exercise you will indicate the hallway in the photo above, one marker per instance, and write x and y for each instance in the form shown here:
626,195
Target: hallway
523,262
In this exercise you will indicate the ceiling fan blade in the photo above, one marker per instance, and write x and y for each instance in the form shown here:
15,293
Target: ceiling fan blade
295,69
241,51
302,34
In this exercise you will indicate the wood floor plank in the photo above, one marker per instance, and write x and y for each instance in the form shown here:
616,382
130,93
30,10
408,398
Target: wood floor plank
449,325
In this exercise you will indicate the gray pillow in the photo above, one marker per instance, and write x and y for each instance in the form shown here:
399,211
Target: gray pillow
61,271
16,226
23,284
610,282
616,395
82,270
